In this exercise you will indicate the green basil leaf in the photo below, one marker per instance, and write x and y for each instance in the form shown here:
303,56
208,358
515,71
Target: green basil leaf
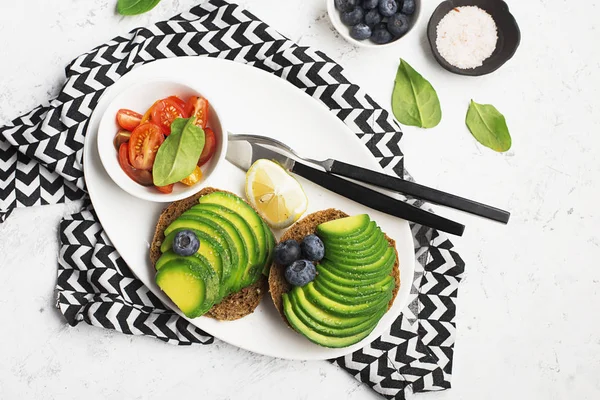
178,125
414,100
135,7
488,126
178,155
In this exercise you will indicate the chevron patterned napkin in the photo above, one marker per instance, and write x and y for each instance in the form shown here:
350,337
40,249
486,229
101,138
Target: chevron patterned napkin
41,163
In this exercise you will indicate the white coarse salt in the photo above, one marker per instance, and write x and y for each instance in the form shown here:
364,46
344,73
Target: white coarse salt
466,36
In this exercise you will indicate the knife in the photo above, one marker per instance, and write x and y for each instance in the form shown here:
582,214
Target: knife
243,154
386,181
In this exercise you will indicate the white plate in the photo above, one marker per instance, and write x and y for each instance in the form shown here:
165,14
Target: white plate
249,101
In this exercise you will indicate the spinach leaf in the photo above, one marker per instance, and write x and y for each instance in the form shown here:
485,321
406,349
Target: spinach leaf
488,126
178,125
414,100
178,155
135,7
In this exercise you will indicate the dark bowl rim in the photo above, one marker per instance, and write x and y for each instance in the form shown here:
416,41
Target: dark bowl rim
475,71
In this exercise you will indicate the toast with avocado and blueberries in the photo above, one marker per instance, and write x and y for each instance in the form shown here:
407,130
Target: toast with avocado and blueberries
334,277
212,253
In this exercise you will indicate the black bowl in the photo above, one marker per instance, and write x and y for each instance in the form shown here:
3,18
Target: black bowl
509,35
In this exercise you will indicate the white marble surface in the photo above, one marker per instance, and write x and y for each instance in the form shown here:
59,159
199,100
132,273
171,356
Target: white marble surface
528,324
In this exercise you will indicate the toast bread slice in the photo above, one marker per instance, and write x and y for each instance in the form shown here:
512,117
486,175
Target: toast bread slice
306,226
232,307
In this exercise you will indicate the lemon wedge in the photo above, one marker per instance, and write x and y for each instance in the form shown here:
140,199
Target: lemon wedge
276,195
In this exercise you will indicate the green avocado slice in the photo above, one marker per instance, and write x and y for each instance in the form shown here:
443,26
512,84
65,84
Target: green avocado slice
358,297
353,239
255,252
355,291
262,233
201,269
324,317
236,204
237,238
183,285
363,259
270,240
357,274
386,261
334,307
314,324
221,236
325,272
344,227
377,246
316,337
354,280
355,245
209,248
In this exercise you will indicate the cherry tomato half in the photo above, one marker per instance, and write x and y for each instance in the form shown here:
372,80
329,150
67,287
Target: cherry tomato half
198,107
193,178
121,137
210,144
128,119
164,112
140,176
148,113
143,145
165,189
179,102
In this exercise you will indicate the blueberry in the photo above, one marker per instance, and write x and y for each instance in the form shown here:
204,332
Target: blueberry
300,272
408,7
185,243
397,24
380,34
387,8
287,252
345,5
353,17
373,17
312,248
370,4
360,32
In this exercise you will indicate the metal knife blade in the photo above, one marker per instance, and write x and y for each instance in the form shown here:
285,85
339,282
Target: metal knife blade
243,154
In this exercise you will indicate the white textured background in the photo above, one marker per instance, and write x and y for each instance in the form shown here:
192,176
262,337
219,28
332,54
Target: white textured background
528,320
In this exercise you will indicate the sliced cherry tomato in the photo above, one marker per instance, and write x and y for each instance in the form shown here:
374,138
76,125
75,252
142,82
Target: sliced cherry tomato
210,144
198,107
140,176
128,119
180,103
143,145
121,137
165,189
148,114
164,112
193,178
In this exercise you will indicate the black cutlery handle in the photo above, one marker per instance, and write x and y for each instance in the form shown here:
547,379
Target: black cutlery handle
419,191
377,201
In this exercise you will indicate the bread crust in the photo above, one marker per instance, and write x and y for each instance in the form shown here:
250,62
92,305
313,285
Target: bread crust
306,226
232,307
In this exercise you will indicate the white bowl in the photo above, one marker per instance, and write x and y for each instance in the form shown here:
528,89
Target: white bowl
334,17
139,98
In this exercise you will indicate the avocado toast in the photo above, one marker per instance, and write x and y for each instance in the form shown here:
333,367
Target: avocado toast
356,282
227,277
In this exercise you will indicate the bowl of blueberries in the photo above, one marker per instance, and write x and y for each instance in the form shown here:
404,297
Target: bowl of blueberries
373,23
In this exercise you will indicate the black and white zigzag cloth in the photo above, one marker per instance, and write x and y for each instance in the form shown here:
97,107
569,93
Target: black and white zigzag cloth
41,163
